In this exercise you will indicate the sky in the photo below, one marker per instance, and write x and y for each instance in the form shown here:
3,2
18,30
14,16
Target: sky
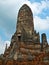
8,18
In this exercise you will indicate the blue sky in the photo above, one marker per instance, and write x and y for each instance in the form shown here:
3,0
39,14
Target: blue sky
8,18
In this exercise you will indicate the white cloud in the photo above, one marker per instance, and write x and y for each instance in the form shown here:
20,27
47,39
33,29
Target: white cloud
41,24
7,42
38,7
3,45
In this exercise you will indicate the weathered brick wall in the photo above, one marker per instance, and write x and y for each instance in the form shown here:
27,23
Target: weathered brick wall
11,62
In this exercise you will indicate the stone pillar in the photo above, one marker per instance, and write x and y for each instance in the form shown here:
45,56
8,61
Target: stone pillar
43,40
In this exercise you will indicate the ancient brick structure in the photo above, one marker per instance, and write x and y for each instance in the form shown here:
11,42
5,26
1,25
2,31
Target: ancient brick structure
25,47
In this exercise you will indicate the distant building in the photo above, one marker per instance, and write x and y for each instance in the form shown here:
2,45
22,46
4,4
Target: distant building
25,43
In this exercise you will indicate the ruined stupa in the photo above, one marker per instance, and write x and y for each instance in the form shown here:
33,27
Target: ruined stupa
25,43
